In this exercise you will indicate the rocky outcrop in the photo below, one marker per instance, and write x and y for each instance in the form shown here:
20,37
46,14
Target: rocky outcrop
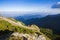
22,36
41,37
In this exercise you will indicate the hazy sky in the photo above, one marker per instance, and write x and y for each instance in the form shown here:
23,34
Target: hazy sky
28,6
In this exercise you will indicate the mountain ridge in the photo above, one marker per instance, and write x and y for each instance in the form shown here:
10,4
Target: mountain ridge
6,27
50,21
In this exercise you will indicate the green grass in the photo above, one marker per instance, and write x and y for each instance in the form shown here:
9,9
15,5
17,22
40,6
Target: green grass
4,25
16,21
49,33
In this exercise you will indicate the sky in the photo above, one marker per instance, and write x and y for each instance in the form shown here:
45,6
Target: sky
29,6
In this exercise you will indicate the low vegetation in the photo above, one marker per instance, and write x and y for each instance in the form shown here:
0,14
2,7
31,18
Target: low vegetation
5,25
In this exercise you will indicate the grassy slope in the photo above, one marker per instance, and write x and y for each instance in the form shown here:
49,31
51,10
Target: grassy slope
49,33
4,25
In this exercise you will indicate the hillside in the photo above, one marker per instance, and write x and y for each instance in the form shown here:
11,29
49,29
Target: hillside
10,29
50,22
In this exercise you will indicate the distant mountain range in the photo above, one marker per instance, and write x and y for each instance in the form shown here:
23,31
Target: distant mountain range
29,16
50,21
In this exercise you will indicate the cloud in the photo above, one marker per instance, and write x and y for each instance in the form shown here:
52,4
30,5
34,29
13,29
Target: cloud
58,2
57,5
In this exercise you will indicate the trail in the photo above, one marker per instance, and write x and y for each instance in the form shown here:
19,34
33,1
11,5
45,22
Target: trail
15,23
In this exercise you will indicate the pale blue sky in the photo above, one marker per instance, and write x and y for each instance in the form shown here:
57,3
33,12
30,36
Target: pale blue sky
28,6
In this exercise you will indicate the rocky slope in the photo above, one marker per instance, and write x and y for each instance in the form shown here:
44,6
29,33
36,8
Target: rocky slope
10,29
